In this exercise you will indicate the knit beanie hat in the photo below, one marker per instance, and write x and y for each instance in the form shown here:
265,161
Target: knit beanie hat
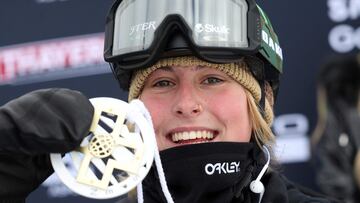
237,71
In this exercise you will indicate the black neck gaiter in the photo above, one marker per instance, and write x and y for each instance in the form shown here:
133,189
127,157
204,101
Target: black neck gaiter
210,172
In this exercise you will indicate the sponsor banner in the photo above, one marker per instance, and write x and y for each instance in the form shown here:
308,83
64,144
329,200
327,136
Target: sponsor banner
344,36
58,58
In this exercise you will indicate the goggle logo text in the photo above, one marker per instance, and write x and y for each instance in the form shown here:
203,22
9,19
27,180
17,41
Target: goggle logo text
211,28
142,27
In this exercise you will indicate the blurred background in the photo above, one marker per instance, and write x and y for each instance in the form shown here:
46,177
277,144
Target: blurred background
59,43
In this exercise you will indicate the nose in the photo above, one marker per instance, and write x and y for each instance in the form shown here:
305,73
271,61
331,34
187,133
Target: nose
187,103
189,111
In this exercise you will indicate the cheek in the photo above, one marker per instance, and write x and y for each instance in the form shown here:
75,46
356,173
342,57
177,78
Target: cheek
157,111
232,104
231,109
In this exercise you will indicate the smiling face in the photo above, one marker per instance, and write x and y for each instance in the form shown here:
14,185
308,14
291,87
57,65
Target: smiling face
195,104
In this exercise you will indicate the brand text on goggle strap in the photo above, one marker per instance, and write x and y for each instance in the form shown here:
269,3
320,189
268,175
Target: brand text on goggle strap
272,44
222,168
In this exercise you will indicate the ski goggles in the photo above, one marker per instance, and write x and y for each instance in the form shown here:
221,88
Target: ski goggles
140,32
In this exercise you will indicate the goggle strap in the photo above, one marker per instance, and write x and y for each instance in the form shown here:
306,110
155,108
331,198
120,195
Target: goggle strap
262,99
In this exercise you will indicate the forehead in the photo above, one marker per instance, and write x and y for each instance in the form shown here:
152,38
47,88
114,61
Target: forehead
179,67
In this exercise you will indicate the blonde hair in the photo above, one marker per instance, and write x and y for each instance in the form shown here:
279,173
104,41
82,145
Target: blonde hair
260,128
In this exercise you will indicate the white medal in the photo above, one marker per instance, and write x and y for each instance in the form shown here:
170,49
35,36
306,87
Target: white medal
117,154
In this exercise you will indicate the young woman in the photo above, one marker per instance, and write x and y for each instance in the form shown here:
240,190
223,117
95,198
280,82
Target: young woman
208,72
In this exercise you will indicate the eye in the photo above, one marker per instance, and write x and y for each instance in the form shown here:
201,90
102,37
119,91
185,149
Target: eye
163,83
212,80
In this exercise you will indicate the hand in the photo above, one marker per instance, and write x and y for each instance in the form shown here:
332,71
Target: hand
31,127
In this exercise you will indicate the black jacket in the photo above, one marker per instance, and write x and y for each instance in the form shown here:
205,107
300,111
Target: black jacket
278,189
31,127
186,182
334,155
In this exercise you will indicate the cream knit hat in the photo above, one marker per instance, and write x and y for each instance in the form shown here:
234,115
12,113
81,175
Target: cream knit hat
238,71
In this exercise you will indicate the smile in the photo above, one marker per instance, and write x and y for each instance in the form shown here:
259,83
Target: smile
192,136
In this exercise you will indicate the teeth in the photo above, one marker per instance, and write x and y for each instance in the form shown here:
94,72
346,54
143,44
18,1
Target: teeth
192,135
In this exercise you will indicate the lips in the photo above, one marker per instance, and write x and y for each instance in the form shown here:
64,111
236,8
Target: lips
192,136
